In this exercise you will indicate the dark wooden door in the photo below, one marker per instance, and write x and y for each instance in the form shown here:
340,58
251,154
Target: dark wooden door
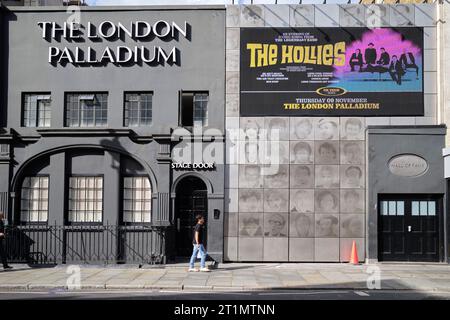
191,200
409,228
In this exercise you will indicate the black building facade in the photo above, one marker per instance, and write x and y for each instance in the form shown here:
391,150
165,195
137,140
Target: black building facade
94,114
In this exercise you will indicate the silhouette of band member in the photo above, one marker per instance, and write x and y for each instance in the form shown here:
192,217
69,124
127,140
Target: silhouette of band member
408,61
370,54
396,70
384,58
356,60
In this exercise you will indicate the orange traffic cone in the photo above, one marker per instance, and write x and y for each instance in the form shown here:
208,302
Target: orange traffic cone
354,255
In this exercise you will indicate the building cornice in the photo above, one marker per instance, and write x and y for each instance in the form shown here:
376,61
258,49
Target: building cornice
408,130
6,137
30,137
84,132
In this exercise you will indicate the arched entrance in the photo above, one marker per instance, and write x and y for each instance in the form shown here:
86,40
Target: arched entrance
191,199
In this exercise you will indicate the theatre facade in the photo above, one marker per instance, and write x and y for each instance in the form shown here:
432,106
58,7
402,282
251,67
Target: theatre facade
100,119
295,129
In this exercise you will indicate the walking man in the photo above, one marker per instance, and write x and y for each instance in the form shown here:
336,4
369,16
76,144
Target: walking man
198,245
2,240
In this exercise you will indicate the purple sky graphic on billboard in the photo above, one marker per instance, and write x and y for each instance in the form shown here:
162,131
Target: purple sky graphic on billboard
386,38
394,43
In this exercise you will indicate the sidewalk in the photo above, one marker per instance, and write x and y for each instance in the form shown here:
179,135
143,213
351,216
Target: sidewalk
231,277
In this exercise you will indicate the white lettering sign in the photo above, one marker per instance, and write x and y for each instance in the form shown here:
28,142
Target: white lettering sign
193,166
110,31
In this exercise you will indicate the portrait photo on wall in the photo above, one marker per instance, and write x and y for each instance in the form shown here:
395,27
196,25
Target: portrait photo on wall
301,225
276,200
275,225
301,200
327,152
302,129
327,201
327,225
302,152
352,176
327,176
250,200
352,129
251,224
352,152
301,176
352,200
349,71
250,176
326,129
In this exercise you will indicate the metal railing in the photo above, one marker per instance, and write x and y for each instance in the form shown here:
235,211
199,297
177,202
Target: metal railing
106,244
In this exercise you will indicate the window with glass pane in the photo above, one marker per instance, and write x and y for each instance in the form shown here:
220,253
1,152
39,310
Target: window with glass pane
431,208
200,109
392,208
400,208
423,208
415,208
85,199
137,199
86,110
138,109
384,208
193,109
36,110
34,199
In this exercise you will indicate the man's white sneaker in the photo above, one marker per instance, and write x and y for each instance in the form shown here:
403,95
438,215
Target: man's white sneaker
205,270
193,270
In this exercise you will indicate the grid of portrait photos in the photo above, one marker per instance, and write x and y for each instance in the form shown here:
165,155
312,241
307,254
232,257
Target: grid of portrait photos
300,190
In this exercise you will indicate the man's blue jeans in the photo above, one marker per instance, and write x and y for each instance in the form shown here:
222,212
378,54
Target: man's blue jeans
203,254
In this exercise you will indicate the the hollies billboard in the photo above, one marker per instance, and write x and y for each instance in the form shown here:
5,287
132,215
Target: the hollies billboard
331,72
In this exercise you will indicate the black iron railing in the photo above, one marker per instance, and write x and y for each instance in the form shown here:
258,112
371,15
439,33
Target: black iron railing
108,244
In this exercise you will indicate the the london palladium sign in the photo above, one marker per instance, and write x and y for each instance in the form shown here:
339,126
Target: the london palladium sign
140,32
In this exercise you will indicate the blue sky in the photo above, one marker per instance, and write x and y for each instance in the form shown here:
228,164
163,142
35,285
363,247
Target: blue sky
177,2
